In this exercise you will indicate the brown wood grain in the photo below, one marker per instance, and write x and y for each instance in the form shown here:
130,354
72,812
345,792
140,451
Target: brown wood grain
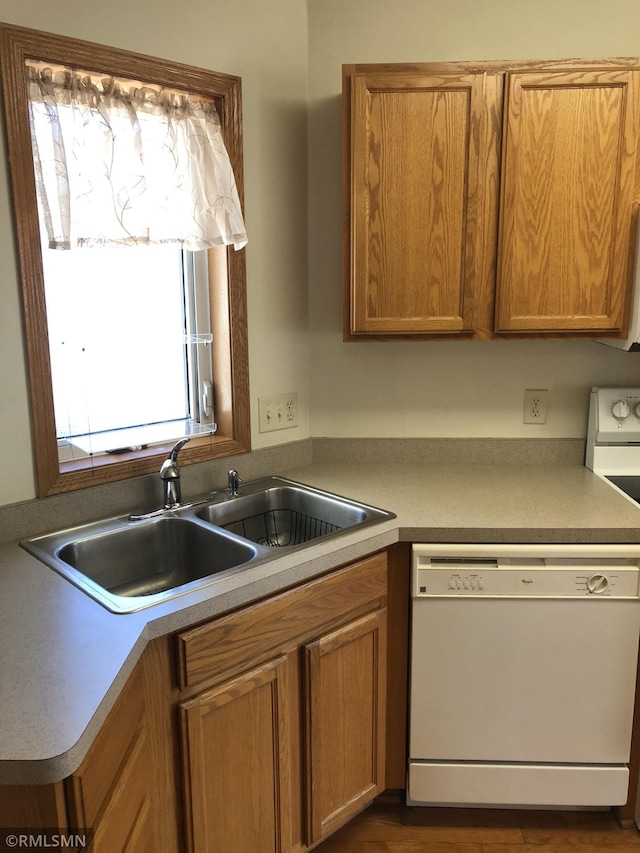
422,157
399,557
126,824
568,198
236,755
161,702
89,786
345,688
257,632
560,182
113,791
33,806
395,828
324,614
17,44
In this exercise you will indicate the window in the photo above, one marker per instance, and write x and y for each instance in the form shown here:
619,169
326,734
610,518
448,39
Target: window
130,347
92,334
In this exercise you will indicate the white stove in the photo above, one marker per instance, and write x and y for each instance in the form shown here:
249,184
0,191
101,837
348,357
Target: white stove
613,448
613,438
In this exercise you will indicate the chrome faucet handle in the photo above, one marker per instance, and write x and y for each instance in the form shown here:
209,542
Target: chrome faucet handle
170,475
177,448
233,482
170,469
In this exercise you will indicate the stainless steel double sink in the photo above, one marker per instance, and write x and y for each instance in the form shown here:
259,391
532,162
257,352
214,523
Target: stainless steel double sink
127,564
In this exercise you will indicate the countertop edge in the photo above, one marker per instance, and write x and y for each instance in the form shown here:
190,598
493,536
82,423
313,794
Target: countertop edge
56,768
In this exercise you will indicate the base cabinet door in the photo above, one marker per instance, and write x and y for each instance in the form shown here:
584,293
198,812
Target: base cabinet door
235,748
127,823
113,791
345,686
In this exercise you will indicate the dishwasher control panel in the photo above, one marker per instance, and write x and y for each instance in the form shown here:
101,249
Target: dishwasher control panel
462,576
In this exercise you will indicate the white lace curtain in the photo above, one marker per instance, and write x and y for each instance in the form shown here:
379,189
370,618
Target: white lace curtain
119,163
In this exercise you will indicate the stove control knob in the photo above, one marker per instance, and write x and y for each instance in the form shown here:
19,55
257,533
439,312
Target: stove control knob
637,410
597,584
620,410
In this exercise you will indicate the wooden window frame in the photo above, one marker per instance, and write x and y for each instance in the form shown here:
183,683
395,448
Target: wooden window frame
227,267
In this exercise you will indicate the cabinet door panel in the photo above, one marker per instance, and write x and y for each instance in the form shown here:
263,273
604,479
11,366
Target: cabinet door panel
90,786
261,631
114,789
568,205
345,685
423,192
126,824
235,739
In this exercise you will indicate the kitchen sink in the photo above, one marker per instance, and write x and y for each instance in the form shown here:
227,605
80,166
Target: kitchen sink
129,563
282,514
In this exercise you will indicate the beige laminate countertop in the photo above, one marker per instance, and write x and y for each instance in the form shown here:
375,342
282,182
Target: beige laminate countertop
64,658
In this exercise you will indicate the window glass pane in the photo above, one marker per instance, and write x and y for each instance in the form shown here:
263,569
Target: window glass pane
116,337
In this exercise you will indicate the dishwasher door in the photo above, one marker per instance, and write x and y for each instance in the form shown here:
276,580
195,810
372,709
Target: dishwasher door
522,680
548,680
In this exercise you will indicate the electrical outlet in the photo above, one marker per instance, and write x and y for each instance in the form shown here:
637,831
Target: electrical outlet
535,406
279,412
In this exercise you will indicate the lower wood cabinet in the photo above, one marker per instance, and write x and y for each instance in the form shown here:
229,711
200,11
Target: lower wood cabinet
111,791
237,766
280,755
345,682
260,731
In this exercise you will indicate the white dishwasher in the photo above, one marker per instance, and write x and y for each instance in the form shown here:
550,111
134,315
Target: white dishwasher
523,671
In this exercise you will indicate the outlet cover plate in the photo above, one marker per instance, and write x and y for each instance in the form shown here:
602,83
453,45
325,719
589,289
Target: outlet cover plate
535,406
278,412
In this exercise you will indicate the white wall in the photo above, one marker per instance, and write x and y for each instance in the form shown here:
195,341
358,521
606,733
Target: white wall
403,389
441,388
265,44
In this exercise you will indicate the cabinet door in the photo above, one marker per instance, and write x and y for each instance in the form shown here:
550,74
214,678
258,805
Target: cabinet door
114,790
422,202
345,687
235,739
127,823
569,203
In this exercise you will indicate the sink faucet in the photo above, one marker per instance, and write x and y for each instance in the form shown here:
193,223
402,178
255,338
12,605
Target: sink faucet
233,480
170,476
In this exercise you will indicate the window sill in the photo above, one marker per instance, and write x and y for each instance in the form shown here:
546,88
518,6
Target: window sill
111,467
120,441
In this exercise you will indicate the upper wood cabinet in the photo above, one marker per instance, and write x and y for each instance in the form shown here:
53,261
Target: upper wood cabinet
568,191
490,199
423,196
